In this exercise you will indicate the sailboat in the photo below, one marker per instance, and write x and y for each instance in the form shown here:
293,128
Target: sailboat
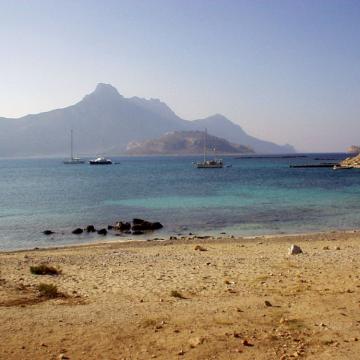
208,164
73,160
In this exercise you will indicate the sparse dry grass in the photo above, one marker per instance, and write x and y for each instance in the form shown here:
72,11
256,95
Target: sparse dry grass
177,294
44,269
49,291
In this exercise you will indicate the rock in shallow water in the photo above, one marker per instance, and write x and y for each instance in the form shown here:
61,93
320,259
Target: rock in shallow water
143,225
122,226
102,232
78,231
90,228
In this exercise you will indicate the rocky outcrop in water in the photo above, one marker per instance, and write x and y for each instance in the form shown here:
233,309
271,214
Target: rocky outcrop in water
78,231
351,162
143,225
138,226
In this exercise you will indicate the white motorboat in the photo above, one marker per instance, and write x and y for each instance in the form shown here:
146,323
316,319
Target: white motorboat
100,161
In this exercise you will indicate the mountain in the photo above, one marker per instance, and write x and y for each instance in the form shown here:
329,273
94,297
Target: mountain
185,142
223,127
105,122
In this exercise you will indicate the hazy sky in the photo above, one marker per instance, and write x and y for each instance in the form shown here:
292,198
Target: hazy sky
286,71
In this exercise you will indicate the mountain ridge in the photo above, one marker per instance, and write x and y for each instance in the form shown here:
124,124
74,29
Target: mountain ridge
103,120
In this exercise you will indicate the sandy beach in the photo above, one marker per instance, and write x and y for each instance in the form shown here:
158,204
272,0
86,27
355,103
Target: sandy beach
212,298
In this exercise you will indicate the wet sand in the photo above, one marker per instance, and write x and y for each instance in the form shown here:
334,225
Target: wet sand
238,299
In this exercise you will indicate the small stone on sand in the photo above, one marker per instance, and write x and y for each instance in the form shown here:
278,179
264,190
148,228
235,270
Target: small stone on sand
295,250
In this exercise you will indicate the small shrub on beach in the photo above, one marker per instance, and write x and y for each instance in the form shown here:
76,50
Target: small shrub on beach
48,290
44,269
177,294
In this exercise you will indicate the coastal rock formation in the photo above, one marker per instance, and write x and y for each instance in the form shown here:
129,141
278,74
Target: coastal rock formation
353,149
143,225
122,226
185,142
102,232
90,228
351,162
137,232
138,226
78,231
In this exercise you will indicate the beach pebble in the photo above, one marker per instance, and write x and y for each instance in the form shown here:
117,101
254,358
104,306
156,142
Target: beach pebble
246,343
194,342
63,357
200,248
295,250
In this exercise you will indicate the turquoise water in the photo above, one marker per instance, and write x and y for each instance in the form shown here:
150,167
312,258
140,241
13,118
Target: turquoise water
254,196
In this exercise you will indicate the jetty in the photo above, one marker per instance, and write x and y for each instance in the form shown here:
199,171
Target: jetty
321,165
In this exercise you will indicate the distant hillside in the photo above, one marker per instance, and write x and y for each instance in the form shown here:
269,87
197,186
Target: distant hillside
104,122
185,142
353,149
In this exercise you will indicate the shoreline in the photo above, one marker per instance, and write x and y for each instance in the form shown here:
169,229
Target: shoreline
114,239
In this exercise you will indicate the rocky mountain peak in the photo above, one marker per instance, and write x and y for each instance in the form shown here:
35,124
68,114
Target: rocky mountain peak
104,92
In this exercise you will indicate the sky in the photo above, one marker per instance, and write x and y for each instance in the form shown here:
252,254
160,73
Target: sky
286,71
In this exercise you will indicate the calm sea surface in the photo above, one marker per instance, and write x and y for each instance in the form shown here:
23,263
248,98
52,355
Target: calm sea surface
254,196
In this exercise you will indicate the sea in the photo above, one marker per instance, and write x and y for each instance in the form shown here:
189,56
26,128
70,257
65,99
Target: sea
249,196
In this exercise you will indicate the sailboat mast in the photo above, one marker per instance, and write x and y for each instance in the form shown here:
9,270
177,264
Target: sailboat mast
71,145
205,139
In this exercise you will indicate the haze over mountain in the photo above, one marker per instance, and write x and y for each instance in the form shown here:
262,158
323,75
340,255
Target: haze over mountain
185,142
106,122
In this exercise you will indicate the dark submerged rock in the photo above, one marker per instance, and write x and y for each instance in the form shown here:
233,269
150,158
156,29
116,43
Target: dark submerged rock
122,226
137,232
143,225
77,231
157,226
137,221
90,228
102,232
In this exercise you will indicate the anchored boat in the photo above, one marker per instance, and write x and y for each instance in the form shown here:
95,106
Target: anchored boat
73,160
209,164
100,161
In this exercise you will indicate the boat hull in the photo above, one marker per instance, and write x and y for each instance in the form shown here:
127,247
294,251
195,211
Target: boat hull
74,162
210,165
100,163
